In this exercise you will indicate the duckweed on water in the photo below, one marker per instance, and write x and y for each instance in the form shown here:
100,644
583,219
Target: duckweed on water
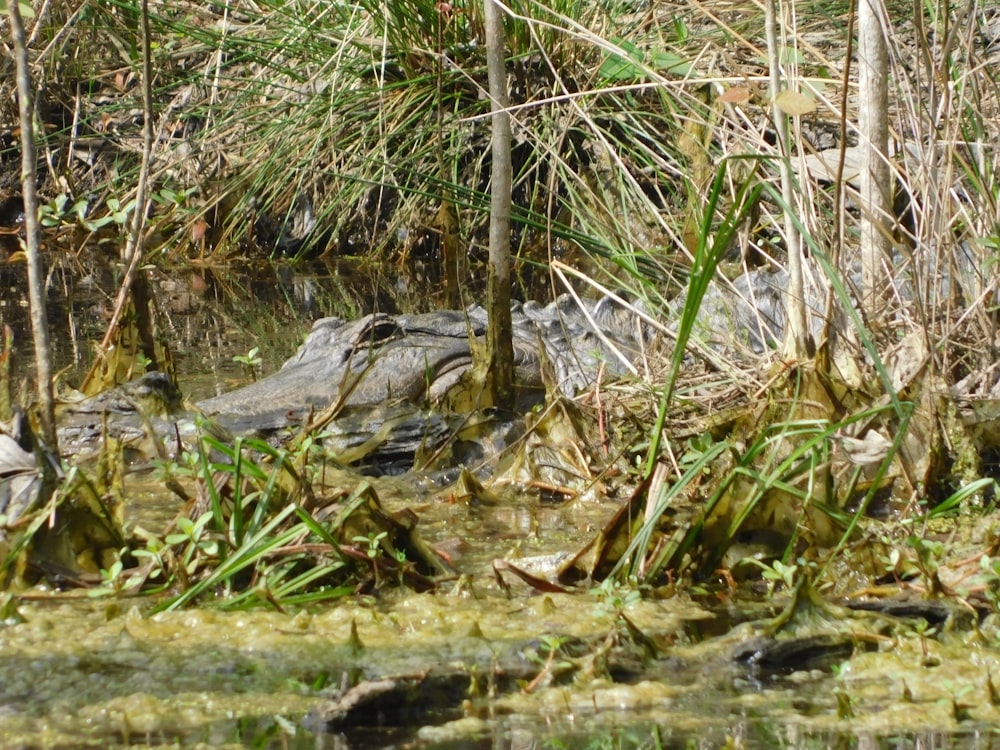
78,673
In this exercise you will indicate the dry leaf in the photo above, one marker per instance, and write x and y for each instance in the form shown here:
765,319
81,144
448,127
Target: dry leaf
735,95
794,103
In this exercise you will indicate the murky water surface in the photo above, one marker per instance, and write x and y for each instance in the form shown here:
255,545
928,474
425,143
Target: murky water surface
85,672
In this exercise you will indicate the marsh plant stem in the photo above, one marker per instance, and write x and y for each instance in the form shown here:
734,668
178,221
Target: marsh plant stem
796,343
32,242
133,251
500,330
873,124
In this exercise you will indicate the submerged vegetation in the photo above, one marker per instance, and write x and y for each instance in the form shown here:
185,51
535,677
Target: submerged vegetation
801,419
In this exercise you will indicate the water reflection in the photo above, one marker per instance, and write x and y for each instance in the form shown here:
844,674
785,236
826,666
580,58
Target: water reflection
208,315
211,314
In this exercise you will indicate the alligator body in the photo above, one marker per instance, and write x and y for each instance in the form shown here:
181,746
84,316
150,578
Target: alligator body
387,374
408,365
407,362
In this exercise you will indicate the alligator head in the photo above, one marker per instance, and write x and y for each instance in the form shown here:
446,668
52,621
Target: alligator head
374,359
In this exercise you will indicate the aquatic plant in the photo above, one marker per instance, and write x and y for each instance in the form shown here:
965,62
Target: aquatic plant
256,534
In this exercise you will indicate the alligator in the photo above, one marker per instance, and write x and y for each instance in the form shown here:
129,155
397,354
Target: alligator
390,381
387,376
422,359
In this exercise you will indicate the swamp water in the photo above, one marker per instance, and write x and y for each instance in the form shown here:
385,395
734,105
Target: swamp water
100,672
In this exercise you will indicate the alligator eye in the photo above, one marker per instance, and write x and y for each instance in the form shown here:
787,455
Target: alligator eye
380,328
